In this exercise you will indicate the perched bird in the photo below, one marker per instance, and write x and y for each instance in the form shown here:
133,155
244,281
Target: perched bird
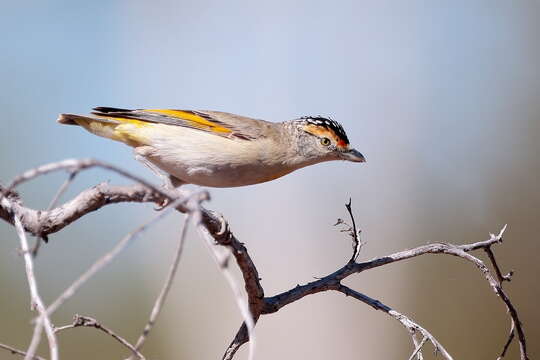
219,149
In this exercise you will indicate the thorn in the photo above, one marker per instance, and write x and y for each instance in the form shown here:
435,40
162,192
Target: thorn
508,276
502,231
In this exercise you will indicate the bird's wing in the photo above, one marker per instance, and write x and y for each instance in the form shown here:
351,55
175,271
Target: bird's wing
214,122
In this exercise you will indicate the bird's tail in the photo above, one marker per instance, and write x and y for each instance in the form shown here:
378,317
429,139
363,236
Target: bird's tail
118,129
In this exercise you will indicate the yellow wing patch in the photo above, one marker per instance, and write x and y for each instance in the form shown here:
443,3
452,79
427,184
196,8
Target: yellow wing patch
125,132
194,120
123,120
129,134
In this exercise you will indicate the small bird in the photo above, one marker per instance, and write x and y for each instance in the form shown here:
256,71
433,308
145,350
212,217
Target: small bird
218,149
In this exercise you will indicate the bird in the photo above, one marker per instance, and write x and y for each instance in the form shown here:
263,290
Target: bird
219,149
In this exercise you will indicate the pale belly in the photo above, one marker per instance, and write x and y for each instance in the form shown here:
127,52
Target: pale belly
214,162
221,176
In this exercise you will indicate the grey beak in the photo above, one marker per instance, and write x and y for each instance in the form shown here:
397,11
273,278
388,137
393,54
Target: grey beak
353,155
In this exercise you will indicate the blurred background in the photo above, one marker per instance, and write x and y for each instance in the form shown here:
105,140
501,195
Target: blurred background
441,97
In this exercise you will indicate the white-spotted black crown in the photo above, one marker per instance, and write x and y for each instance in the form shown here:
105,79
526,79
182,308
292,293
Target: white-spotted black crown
329,124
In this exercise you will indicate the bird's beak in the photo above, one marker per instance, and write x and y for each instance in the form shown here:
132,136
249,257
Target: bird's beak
353,155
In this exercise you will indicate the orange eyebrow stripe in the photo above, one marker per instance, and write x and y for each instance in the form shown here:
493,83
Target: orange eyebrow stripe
324,132
321,131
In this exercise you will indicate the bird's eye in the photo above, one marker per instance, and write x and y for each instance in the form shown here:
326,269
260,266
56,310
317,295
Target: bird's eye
325,141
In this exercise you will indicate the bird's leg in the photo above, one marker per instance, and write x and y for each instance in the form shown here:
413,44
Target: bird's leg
170,183
174,181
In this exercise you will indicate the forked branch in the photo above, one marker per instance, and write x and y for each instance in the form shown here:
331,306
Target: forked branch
55,218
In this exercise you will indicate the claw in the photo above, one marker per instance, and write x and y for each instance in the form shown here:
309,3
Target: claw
162,205
224,228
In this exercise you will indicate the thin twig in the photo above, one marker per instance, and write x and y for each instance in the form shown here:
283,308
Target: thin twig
18,352
502,278
156,310
76,165
63,188
329,282
36,337
239,339
37,303
254,290
222,262
357,244
411,326
97,197
41,223
86,321
109,256
496,286
418,347
511,336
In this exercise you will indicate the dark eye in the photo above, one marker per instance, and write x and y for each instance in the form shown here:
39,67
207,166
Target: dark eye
325,141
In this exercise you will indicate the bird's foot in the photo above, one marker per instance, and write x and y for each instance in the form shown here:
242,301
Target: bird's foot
174,193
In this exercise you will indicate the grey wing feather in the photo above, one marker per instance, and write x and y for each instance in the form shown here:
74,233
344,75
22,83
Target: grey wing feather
241,127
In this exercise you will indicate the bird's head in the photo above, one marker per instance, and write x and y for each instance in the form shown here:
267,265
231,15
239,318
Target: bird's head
323,139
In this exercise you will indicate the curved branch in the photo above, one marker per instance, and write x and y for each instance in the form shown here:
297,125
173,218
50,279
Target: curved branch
37,303
43,223
411,326
331,281
86,321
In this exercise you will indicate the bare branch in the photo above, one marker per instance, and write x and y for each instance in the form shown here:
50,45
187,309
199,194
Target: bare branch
214,227
86,321
249,271
36,337
156,310
496,286
240,339
18,352
418,347
103,194
502,278
414,327
222,259
332,281
221,233
411,326
274,303
75,165
37,303
48,222
108,257
357,244
63,188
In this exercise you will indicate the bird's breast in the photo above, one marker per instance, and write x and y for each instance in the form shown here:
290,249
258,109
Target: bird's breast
205,159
